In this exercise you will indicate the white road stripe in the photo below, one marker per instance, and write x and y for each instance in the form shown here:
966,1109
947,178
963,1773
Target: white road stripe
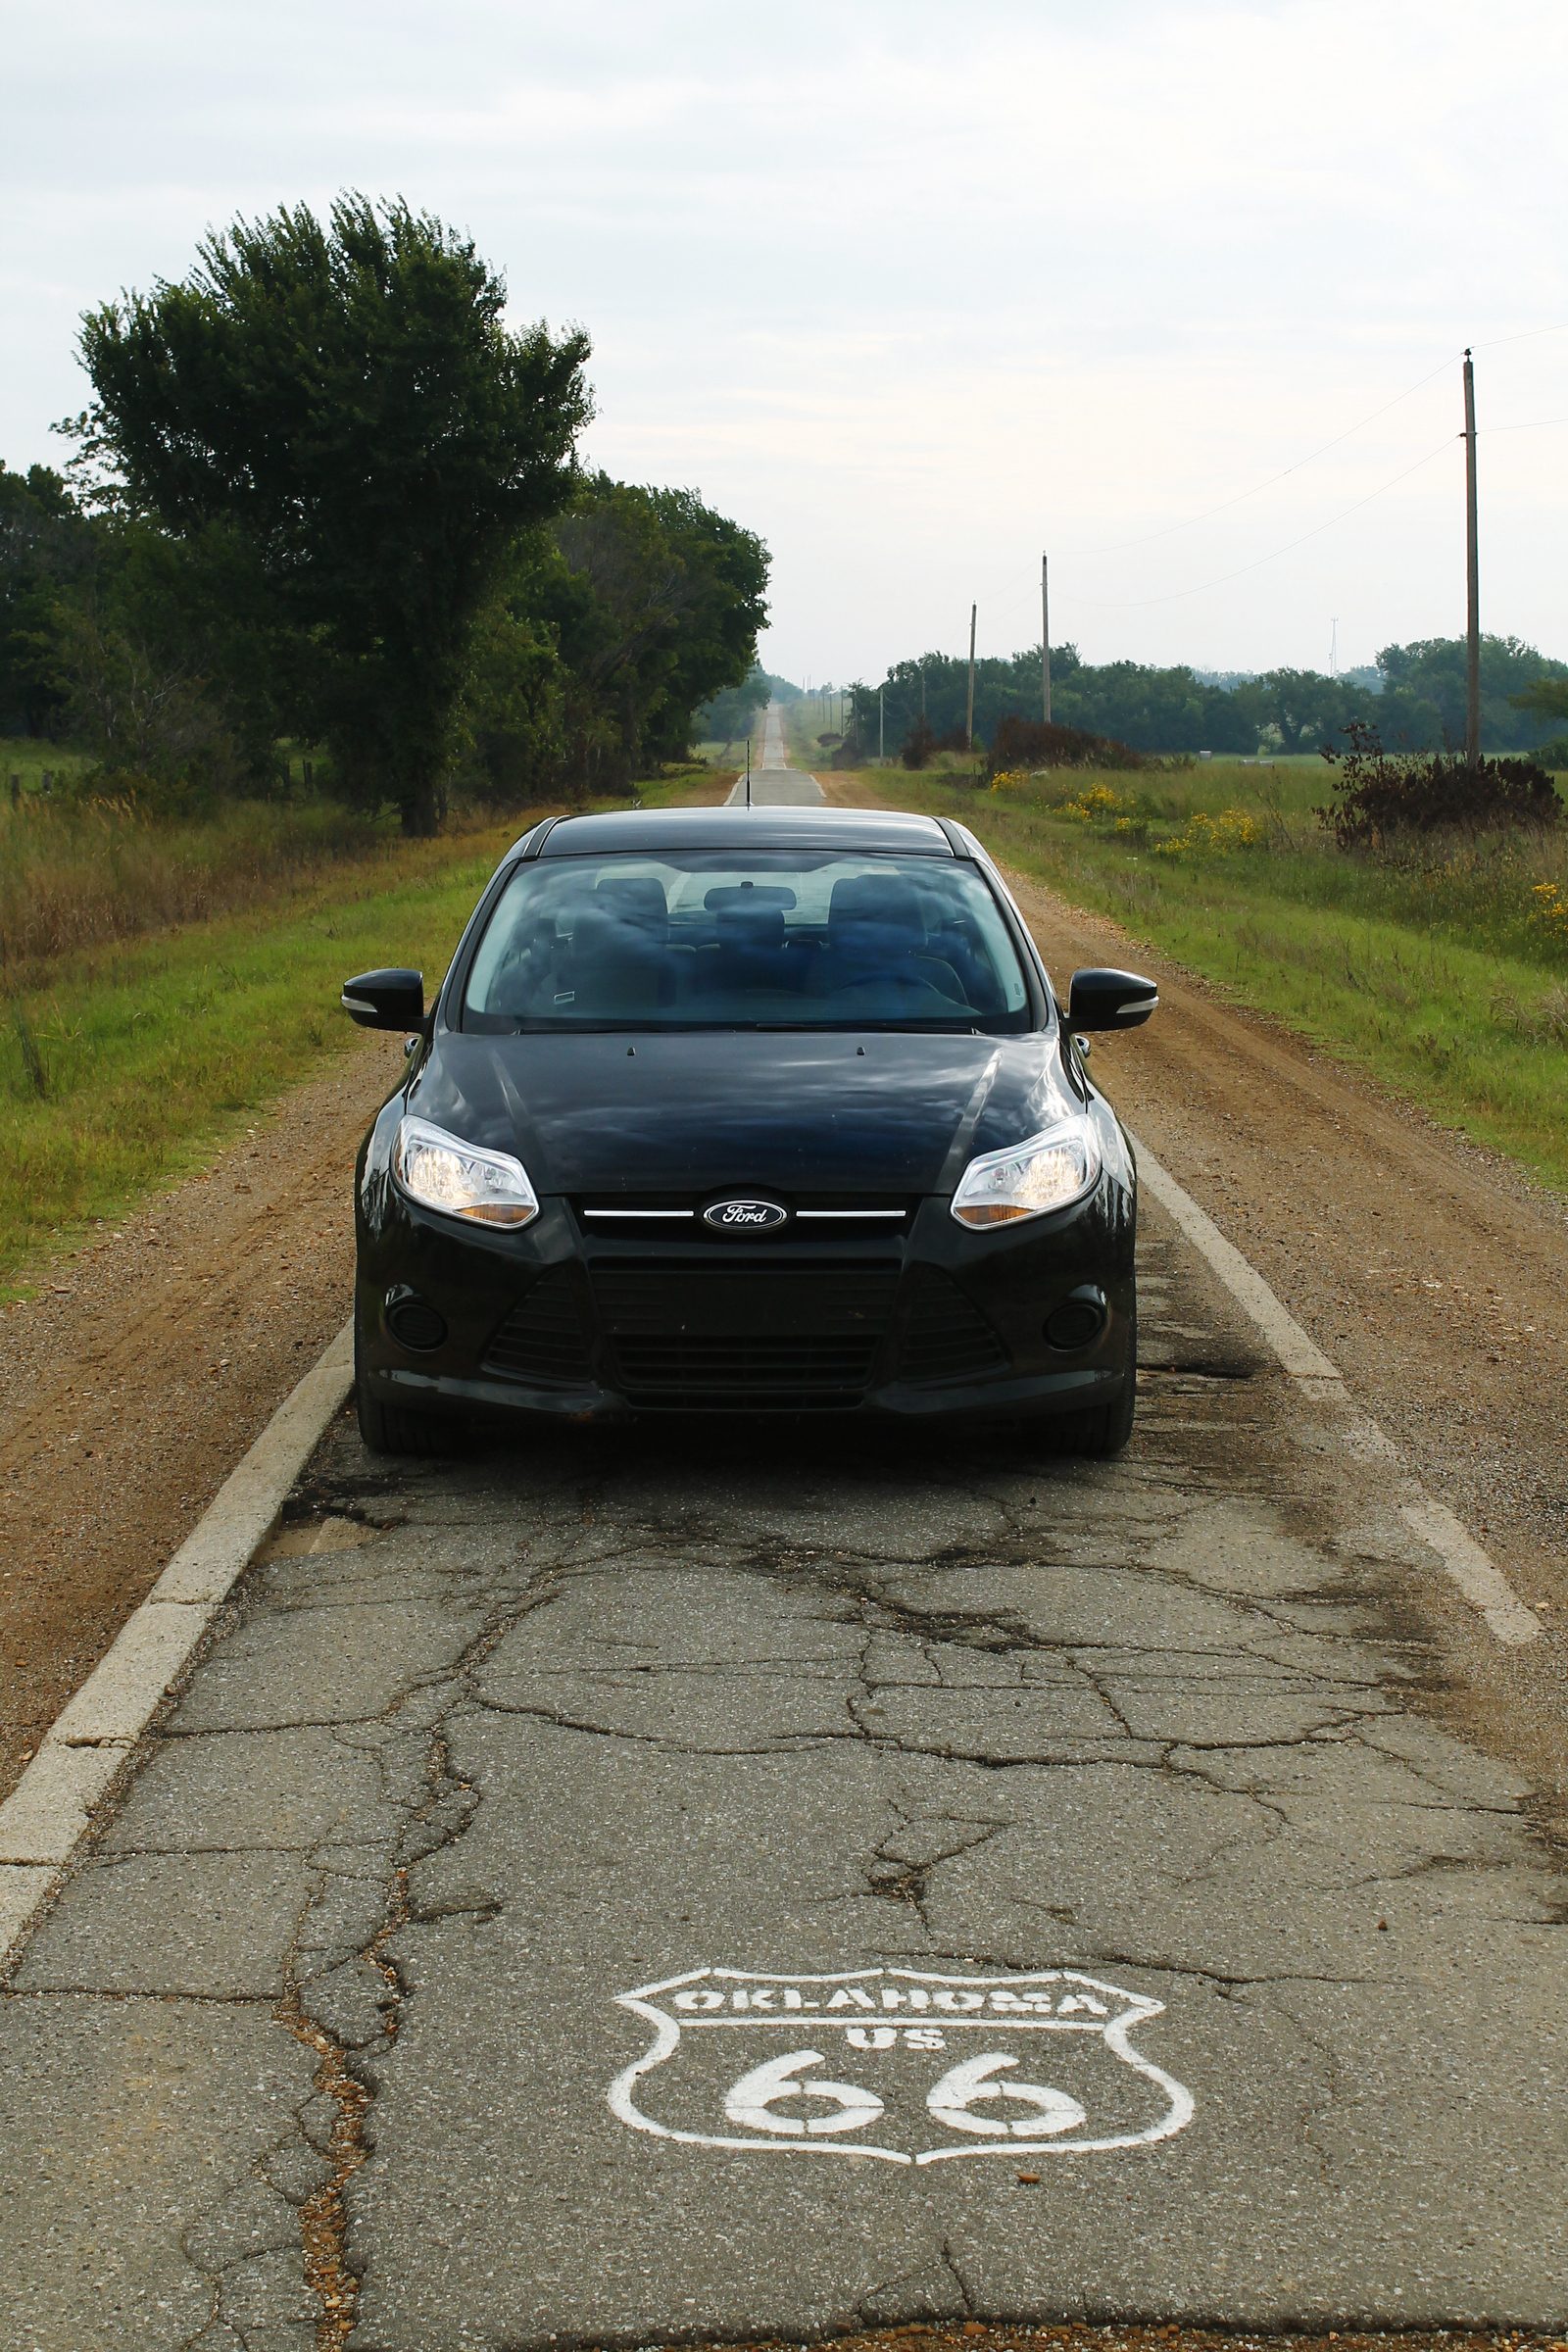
1478,1576
1301,1356
1478,1579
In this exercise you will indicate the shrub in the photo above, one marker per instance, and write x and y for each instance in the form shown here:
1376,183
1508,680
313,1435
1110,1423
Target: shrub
1376,796
1033,743
1216,836
918,745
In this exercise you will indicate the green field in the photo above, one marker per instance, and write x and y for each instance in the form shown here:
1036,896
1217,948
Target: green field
27,760
1442,971
126,1062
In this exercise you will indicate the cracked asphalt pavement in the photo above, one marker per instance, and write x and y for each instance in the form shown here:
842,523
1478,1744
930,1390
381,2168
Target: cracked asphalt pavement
1101,1850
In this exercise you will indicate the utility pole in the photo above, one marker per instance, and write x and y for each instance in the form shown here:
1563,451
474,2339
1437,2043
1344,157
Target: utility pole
748,771
968,716
1045,643
1472,576
922,693
881,725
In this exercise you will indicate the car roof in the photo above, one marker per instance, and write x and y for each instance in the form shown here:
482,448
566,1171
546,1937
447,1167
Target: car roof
649,831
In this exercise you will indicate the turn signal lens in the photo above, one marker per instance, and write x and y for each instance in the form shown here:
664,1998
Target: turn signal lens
441,1171
1046,1171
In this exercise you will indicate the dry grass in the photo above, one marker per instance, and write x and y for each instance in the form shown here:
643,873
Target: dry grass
81,873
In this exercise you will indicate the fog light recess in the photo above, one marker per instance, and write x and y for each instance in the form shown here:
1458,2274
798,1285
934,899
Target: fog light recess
413,1322
1078,1320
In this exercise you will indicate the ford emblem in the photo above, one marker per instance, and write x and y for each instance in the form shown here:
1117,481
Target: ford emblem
745,1216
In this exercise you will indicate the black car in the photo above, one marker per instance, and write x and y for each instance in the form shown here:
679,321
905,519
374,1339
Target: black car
744,1110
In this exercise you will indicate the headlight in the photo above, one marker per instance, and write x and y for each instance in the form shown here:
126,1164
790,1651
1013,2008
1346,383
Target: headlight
441,1171
1044,1172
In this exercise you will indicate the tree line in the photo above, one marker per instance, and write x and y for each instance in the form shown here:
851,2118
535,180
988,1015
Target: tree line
325,495
1418,702
729,717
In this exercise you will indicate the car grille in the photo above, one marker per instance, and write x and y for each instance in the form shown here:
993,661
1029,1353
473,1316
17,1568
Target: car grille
543,1341
945,1336
775,1335
814,1217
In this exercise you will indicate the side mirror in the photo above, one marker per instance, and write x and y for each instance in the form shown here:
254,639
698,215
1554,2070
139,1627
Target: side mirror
389,1000
1098,999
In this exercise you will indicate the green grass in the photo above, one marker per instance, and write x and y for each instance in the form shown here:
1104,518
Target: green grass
125,1064
27,758
1444,974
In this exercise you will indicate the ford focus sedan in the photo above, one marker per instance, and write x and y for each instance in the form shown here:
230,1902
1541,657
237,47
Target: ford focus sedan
746,1110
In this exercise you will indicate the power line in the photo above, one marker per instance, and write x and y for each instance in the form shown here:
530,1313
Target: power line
1132,604
1129,603
1528,335
1165,530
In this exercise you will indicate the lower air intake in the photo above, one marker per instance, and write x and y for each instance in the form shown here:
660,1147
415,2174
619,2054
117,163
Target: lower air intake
746,1336
945,1337
544,1343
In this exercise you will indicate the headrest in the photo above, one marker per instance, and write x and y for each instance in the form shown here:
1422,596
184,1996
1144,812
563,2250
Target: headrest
750,926
884,905
635,898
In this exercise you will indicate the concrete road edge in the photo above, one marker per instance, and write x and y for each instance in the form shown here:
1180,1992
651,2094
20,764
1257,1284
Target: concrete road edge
90,1746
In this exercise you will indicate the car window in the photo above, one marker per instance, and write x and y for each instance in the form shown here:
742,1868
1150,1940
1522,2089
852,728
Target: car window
779,939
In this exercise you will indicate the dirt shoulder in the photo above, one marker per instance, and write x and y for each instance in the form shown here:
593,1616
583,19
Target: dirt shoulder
135,1380
1431,1272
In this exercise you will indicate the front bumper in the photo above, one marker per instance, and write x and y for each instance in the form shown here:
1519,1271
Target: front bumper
931,1321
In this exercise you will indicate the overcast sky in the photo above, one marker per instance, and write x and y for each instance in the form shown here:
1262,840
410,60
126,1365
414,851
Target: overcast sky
914,291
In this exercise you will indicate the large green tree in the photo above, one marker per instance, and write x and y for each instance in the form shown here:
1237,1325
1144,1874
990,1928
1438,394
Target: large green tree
1546,699
346,403
657,602
46,550
1307,708
1422,707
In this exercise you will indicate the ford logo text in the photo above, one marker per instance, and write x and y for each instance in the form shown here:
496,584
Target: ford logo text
745,1216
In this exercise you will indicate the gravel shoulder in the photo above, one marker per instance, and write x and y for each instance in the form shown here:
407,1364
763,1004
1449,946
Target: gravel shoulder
142,1369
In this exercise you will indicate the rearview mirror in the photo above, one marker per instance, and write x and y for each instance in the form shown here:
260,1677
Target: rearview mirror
1103,999
387,1000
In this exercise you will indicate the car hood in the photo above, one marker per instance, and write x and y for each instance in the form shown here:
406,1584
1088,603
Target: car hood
829,1111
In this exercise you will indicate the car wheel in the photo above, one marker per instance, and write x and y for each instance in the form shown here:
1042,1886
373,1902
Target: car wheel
1105,1429
391,1429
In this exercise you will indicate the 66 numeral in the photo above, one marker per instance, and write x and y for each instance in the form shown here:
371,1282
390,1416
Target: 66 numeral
753,2102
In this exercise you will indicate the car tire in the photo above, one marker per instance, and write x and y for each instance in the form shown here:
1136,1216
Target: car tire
391,1429
1103,1429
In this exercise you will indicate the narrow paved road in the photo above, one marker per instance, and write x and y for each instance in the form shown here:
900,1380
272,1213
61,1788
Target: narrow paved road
774,781
762,1881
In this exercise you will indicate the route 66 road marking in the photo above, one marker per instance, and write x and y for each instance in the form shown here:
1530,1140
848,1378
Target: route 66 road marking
897,2064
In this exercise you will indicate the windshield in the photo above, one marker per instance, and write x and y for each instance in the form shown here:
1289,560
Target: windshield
767,939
